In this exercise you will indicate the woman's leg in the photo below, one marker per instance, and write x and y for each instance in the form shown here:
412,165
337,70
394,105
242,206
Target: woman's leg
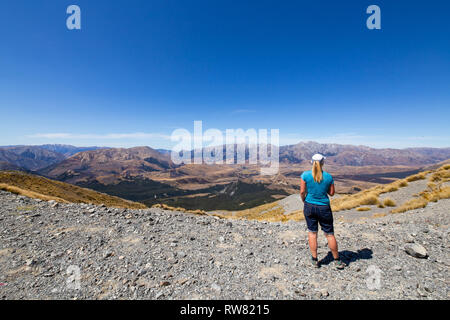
332,244
312,240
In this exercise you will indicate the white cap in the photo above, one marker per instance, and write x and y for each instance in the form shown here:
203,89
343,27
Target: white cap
318,157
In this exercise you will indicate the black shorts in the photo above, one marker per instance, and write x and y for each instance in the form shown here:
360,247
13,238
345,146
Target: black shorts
315,215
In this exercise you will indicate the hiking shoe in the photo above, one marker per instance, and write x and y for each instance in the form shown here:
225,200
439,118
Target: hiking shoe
314,262
339,264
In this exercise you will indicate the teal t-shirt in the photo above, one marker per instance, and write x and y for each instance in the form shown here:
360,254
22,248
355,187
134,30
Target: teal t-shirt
317,192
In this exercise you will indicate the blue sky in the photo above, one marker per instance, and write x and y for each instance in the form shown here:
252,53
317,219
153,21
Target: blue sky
137,70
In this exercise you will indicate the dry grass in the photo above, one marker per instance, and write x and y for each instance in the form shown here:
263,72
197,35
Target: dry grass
166,207
418,176
389,202
440,175
389,188
271,212
379,215
360,200
437,194
411,204
371,196
402,183
432,185
436,191
45,189
28,193
366,197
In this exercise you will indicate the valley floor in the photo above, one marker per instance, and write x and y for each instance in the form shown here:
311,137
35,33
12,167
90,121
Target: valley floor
157,254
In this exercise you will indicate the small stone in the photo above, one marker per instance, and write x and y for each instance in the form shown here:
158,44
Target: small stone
216,287
416,250
30,262
324,293
181,254
164,283
409,239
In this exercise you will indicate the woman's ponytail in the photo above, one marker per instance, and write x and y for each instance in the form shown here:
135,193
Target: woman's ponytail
317,171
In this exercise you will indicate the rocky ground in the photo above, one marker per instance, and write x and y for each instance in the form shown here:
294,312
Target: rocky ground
157,254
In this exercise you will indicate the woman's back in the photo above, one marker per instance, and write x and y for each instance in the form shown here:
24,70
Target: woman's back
317,191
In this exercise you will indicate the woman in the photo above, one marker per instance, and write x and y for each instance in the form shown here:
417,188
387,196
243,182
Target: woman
314,187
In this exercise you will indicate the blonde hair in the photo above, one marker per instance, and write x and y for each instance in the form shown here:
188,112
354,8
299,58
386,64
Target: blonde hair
317,171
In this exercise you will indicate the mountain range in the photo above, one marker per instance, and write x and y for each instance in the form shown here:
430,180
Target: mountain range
149,176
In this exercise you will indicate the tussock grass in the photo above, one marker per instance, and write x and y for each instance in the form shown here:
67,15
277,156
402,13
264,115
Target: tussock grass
271,212
29,194
371,196
437,194
418,176
389,202
166,207
379,215
411,204
389,188
434,192
37,187
441,174
363,209
402,183
367,197
432,185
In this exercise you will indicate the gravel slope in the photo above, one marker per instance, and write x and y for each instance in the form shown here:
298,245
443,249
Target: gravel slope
157,254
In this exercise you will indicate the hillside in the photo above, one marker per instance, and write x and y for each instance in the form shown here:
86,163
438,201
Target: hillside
160,254
413,192
29,157
146,175
108,165
34,158
362,155
45,189
67,150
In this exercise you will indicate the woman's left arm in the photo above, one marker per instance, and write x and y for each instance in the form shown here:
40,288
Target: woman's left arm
331,189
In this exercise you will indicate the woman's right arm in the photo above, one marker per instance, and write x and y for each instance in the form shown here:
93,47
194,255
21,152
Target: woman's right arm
303,191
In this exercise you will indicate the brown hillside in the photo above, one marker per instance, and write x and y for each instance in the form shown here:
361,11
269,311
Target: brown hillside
41,188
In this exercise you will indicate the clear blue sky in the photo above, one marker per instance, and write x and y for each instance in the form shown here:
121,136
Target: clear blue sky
308,68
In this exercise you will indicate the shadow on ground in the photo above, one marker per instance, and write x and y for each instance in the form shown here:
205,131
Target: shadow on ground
348,256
